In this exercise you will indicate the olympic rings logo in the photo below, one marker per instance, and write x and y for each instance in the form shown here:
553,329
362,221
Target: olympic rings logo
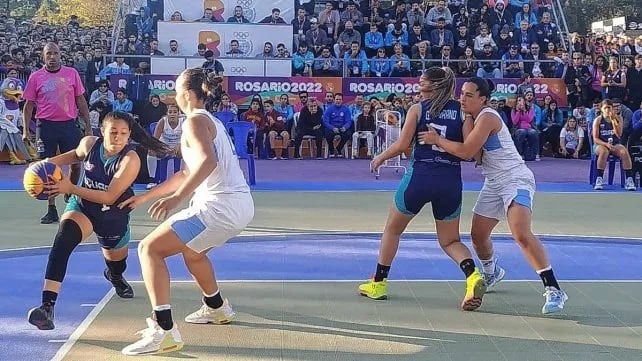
240,70
245,3
241,35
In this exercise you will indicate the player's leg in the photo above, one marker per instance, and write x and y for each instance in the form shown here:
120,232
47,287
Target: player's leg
407,204
446,208
519,221
74,228
486,214
161,334
602,154
116,261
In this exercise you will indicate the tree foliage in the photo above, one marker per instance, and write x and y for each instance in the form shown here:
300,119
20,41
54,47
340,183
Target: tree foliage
581,13
89,12
20,9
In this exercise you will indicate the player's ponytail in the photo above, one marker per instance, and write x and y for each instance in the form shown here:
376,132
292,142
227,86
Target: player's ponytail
443,87
202,83
140,136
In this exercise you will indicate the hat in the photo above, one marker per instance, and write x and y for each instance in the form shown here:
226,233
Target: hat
499,2
313,20
494,99
514,47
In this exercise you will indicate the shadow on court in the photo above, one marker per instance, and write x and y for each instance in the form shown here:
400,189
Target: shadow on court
420,321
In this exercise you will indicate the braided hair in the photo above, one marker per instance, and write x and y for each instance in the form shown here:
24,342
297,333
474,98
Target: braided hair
443,87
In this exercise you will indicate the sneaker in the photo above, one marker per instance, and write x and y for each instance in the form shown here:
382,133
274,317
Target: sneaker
50,217
599,184
155,340
554,300
475,289
374,290
123,289
537,159
42,317
629,184
218,316
492,279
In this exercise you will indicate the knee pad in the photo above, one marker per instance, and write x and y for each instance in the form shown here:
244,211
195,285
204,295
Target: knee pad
67,239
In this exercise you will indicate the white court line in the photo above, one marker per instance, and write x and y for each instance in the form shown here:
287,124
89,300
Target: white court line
88,304
84,325
354,234
396,281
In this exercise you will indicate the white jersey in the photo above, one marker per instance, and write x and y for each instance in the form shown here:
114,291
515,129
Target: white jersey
172,136
500,157
227,177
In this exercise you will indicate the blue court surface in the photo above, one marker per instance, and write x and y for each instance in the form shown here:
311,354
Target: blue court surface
311,257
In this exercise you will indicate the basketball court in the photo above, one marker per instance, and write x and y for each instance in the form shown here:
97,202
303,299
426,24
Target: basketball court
292,278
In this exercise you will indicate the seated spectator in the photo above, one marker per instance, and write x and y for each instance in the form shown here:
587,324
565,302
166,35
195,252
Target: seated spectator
356,61
284,107
399,63
441,37
525,14
571,139
273,19
168,130
417,36
276,129
238,17
122,104
513,64
226,105
499,18
421,58
212,65
310,123
550,126
337,122
255,115
607,132
523,118
463,40
348,37
102,95
235,50
96,112
488,68
373,41
326,64
302,61
468,64
380,64
316,37
494,103
117,67
636,135
152,112
365,128
394,36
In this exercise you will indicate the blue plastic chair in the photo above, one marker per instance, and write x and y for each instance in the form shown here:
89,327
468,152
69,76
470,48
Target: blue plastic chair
240,132
225,117
161,164
610,163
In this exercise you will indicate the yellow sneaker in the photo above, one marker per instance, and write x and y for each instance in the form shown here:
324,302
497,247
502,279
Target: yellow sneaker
374,290
475,289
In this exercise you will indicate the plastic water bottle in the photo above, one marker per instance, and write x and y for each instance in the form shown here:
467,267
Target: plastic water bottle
40,146
637,179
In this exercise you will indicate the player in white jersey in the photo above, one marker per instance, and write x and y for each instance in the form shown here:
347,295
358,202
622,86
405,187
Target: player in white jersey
508,189
220,209
168,130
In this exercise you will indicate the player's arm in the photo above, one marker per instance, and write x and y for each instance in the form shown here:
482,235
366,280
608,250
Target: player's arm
485,126
123,179
406,136
618,127
75,155
199,139
469,123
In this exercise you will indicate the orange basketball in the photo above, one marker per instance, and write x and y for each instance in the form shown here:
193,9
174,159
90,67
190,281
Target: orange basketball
37,176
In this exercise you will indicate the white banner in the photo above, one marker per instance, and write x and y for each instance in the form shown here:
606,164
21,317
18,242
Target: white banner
232,66
217,37
253,10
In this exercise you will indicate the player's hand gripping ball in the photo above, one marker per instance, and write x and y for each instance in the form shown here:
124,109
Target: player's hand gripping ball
37,176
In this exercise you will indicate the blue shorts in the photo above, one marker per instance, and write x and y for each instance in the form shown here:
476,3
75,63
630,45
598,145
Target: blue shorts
443,191
59,135
111,227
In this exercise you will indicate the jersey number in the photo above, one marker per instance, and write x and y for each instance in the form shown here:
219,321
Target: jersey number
441,129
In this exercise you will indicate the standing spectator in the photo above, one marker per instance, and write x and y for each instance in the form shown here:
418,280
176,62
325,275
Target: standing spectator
634,83
58,95
614,80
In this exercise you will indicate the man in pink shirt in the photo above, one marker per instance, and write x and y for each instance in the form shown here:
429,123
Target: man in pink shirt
58,95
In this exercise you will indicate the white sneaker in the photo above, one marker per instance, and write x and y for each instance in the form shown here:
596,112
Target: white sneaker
555,300
599,184
629,184
155,340
206,314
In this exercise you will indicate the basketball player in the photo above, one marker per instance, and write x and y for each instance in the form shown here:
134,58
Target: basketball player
111,166
220,209
507,192
433,177
168,130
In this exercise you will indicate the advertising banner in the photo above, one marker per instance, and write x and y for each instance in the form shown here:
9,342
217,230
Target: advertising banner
506,88
233,66
217,37
253,10
242,89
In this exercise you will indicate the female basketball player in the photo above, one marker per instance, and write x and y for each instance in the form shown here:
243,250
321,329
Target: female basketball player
111,166
433,177
508,189
220,209
168,130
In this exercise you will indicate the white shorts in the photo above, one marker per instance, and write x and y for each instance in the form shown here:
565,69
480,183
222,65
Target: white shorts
498,194
209,225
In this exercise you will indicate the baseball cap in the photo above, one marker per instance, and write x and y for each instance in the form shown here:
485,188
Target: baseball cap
494,99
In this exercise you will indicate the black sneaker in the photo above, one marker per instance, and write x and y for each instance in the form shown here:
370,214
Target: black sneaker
123,289
50,217
42,317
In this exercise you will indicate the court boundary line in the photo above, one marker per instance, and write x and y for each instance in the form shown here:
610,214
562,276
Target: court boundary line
562,237
84,325
392,281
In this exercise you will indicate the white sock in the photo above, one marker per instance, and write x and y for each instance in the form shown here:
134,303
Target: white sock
162,307
488,265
